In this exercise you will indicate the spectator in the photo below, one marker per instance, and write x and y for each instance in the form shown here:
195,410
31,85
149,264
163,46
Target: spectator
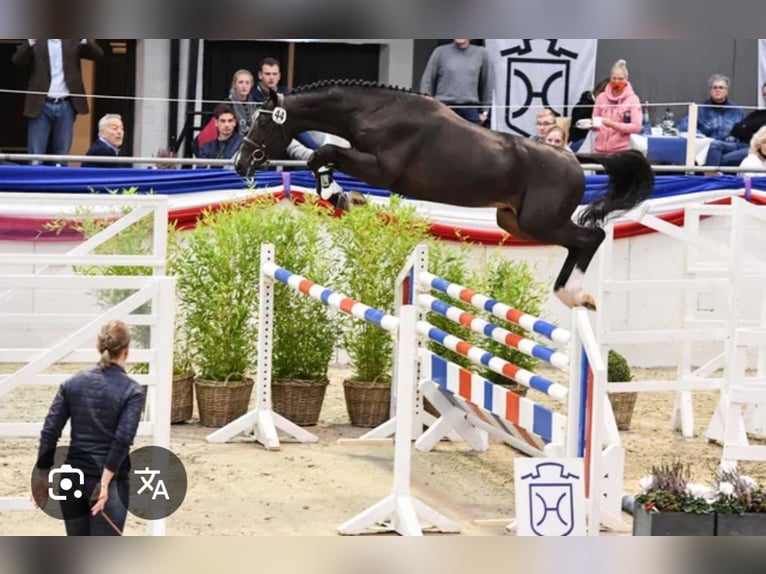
228,139
459,75
109,141
757,156
583,110
56,78
556,136
618,110
240,99
745,130
269,76
716,118
544,121
104,405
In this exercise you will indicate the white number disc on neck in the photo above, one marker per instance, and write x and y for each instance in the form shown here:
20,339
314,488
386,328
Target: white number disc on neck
279,115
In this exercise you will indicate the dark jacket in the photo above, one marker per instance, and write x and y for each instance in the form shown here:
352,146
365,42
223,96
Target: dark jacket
105,408
101,149
581,111
221,149
37,59
745,129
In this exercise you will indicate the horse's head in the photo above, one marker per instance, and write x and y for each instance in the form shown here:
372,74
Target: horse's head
267,136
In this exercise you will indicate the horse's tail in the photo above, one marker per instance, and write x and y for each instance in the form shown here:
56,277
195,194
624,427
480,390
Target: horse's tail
631,181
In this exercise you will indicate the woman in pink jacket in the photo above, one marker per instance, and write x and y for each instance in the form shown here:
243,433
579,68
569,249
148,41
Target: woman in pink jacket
617,112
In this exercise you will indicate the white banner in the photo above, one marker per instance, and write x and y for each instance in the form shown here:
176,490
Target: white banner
534,74
761,70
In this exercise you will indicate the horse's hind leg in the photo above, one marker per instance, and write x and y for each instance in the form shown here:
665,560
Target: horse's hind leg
582,244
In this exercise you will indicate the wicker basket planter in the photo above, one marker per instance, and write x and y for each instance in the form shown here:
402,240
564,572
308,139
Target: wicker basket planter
299,401
623,405
182,400
368,404
219,403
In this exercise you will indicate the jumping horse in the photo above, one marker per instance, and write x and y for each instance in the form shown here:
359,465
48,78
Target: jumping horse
415,146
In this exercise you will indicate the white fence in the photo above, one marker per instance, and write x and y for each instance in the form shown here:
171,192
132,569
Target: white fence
64,333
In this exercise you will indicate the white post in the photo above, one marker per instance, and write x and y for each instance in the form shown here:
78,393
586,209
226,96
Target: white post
400,509
262,417
691,136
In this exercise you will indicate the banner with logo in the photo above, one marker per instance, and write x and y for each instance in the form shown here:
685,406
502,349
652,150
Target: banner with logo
761,70
533,74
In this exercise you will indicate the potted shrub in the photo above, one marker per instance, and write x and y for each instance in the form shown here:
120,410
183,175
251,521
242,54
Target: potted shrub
740,505
623,404
374,243
182,398
305,331
216,266
670,505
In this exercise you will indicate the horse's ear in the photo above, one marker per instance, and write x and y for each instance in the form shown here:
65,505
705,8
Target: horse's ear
273,96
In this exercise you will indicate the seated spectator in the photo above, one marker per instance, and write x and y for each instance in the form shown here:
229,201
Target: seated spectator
108,143
716,118
757,156
556,136
745,130
241,100
228,140
544,120
618,110
583,110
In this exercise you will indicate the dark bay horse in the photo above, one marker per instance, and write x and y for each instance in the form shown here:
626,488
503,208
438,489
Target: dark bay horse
415,146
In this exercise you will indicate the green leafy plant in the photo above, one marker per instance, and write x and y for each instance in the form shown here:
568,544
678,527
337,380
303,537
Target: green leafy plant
618,370
513,283
373,243
668,488
217,266
305,331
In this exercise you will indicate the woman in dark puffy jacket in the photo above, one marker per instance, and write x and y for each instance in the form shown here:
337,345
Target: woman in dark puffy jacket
104,406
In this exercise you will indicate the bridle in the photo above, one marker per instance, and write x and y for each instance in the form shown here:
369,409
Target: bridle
279,117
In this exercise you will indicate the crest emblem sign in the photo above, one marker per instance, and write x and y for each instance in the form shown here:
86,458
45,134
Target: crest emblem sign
550,497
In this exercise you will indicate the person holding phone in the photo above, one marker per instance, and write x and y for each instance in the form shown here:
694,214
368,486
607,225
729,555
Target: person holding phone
104,406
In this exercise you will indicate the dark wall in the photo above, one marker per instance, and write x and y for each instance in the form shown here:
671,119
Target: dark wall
664,70
678,70
13,134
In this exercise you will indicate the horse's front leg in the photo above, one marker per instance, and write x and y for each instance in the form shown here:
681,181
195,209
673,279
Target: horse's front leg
322,164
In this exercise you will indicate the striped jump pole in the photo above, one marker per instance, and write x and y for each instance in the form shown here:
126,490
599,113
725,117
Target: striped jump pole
494,332
500,310
492,362
331,298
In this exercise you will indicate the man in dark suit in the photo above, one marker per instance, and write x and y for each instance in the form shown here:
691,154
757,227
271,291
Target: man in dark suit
55,78
109,141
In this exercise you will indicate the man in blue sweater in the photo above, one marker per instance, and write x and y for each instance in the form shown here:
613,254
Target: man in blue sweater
460,76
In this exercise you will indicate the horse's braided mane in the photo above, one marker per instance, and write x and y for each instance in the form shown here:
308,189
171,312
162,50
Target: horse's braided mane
349,83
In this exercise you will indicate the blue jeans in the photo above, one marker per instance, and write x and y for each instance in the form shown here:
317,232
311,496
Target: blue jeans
723,153
470,114
54,125
77,516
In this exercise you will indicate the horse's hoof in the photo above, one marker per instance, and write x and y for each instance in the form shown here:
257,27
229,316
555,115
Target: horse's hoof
357,199
588,302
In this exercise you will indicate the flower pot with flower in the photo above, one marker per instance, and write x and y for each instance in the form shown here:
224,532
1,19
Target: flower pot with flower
671,505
